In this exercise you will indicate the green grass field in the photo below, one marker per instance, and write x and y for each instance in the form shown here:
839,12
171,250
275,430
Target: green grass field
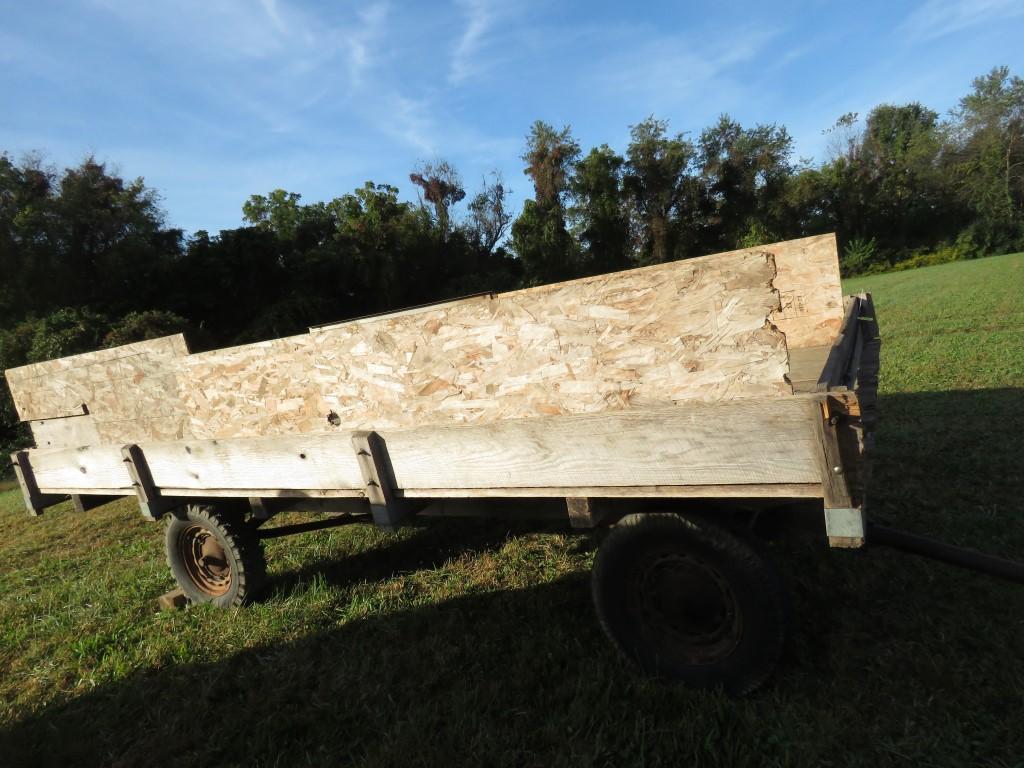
474,643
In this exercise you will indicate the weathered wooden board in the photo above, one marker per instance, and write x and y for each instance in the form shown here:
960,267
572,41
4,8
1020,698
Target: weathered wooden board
745,491
291,462
806,365
737,442
77,470
129,391
743,442
68,432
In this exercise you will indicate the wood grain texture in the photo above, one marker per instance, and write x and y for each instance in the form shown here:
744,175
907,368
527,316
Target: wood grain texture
750,443
742,491
735,442
83,470
806,365
35,500
831,470
293,462
68,432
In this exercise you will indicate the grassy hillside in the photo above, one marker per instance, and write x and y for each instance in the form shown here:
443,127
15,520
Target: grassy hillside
474,643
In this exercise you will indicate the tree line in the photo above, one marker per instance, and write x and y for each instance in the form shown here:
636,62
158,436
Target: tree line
87,258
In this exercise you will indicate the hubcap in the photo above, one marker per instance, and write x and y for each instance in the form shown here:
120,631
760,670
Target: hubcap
205,560
688,606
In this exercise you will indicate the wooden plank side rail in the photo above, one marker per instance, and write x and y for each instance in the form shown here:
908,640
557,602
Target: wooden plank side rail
840,467
839,356
35,501
741,448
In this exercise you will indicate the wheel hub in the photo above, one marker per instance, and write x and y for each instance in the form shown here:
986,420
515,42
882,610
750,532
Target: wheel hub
687,603
205,560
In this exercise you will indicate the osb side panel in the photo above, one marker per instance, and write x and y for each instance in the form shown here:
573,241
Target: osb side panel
689,330
130,392
808,283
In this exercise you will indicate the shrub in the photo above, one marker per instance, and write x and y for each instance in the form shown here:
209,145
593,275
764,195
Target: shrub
67,332
859,255
140,326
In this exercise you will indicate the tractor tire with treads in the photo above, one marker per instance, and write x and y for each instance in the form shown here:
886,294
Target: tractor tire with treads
689,600
214,556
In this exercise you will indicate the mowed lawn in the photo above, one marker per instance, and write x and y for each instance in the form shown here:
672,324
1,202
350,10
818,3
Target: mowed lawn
474,643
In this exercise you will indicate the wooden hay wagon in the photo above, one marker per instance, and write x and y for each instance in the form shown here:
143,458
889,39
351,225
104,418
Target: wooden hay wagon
687,404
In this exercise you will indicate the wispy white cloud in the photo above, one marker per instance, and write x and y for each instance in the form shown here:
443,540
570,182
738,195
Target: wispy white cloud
491,31
666,72
410,121
465,58
937,18
270,7
362,37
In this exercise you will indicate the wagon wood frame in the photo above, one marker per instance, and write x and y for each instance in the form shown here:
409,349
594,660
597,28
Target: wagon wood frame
807,446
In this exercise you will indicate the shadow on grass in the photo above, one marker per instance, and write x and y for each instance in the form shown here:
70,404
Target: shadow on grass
891,660
433,544
949,463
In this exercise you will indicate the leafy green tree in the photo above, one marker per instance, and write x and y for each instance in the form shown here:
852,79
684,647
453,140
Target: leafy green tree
745,172
899,157
141,326
539,236
599,212
986,156
550,157
67,332
660,189
15,342
489,217
279,212
110,240
544,245
441,186
83,238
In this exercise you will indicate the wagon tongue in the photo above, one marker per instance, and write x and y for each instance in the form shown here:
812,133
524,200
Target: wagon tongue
1012,570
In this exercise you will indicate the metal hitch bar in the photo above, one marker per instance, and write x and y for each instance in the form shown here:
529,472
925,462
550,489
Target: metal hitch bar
971,559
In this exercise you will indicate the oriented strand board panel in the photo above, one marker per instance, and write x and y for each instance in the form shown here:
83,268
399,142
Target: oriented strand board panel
808,283
688,330
706,329
130,392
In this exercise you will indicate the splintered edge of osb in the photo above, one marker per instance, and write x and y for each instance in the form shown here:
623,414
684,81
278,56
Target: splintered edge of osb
768,324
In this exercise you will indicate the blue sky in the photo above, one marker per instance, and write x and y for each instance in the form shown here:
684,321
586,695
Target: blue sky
213,100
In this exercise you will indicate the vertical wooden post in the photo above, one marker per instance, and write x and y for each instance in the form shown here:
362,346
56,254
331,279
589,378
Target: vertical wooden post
844,522
151,503
85,502
371,453
35,502
581,513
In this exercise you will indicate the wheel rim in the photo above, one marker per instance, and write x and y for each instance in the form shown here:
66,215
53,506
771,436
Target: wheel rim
687,607
205,560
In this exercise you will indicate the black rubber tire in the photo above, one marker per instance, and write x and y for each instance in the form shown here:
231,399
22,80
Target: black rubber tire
242,554
730,582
